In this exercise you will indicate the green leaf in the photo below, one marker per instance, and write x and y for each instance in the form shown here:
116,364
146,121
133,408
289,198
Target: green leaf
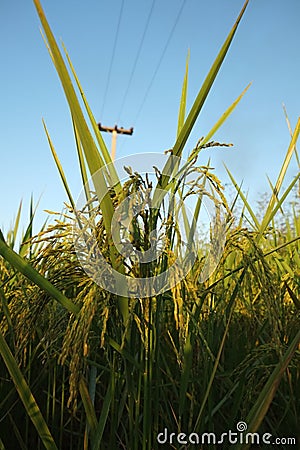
244,199
5,309
26,245
26,269
60,168
26,396
186,374
88,406
230,308
82,165
93,157
94,160
182,107
219,123
97,438
270,208
262,404
197,107
204,91
214,129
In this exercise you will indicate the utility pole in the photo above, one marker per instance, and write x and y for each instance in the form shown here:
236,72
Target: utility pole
115,131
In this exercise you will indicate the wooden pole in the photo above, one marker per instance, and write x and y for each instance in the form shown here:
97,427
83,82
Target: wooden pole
115,131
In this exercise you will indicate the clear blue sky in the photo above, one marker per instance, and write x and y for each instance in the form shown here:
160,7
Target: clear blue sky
265,51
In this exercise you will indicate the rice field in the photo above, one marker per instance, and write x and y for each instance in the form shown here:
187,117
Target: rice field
92,362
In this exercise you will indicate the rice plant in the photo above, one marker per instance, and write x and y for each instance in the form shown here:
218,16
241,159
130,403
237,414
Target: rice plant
97,368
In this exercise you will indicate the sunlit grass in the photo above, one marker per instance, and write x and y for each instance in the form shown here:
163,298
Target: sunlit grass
97,370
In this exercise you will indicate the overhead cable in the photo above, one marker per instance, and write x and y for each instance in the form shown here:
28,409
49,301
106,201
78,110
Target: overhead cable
160,61
136,60
112,59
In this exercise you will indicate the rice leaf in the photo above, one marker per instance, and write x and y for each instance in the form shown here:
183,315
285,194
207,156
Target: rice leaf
26,396
26,269
270,208
88,406
204,91
97,438
199,102
262,404
244,199
60,168
182,106
94,160
93,157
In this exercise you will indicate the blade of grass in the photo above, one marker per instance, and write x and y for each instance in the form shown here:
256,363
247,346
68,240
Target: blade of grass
283,198
199,102
291,133
182,107
204,91
220,350
101,143
5,310
93,157
293,296
94,160
26,269
82,165
244,199
213,130
88,406
104,150
274,192
219,123
97,438
16,227
26,245
59,167
269,212
12,235
262,404
185,377
26,396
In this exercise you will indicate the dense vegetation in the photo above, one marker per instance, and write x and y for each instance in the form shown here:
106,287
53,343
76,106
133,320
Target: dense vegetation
88,368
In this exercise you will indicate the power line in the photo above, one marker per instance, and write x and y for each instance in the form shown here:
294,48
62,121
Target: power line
136,59
159,62
112,57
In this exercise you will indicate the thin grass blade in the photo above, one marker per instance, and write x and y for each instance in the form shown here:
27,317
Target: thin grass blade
82,165
93,157
25,244
204,91
60,168
261,406
291,133
88,406
182,107
102,420
269,212
198,104
94,160
219,123
244,199
115,181
26,396
12,235
26,269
